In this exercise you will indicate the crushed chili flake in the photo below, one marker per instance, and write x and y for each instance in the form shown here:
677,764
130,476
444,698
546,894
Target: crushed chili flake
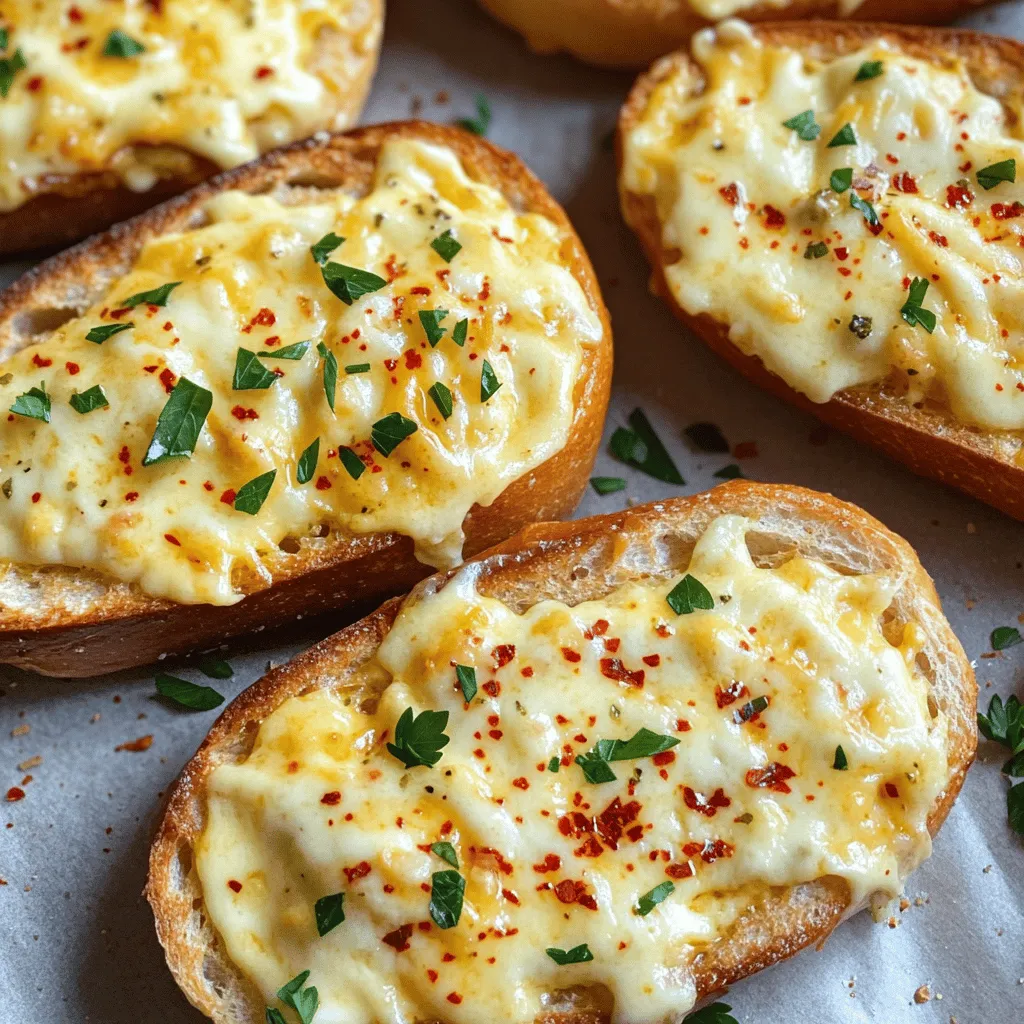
454,997
679,870
264,318
241,413
136,746
612,668
503,654
710,850
731,693
1003,212
234,886
552,862
957,197
398,940
706,805
361,870
773,777
730,193
15,793
904,182
773,218
332,799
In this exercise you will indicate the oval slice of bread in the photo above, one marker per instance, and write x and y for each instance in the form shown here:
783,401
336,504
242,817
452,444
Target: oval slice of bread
571,563
632,33
924,435
64,621
62,205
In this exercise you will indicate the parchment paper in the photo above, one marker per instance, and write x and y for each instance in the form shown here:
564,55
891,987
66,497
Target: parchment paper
76,938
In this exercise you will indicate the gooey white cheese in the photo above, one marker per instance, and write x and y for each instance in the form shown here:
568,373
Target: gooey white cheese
741,197
550,860
221,79
75,492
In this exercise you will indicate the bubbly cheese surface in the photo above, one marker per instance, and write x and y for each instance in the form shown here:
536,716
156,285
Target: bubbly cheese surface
75,490
758,236
747,799
222,79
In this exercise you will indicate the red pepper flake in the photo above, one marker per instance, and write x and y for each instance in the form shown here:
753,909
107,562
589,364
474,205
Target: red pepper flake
503,865
710,850
679,870
431,975
447,958
14,794
234,886
664,758
398,940
904,182
332,799
510,896
446,828
521,783
612,668
706,805
772,777
171,539
682,725
41,361
263,71
731,694
653,660
891,791
612,644
36,497
570,655
612,821
132,496
773,218
323,483
241,413
1003,212
454,997
136,746
264,318
168,379
73,368
413,360
552,862
361,870
730,193
503,654
228,497
957,197
841,253
492,687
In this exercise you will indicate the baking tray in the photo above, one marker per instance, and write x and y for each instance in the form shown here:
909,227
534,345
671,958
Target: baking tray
76,938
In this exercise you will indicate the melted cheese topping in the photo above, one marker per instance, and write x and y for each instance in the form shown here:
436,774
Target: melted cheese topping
743,802
222,79
741,197
77,494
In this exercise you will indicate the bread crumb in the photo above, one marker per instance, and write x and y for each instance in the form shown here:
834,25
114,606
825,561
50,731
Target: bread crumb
922,995
32,762
971,528
142,743
21,730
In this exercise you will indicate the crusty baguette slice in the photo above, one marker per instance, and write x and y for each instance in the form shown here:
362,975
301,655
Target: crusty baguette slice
575,562
76,623
985,464
66,208
632,33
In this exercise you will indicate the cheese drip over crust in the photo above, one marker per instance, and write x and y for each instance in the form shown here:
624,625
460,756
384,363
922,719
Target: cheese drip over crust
812,273
220,79
76,492
759,692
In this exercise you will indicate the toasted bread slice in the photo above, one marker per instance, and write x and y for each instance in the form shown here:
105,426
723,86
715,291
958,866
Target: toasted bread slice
60,620
122,172
572,563
632,33
918,429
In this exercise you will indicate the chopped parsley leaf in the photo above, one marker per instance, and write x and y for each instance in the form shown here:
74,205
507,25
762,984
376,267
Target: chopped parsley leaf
34,404
390,431
651,899
250,373
447,889
446,246
841,179
154,297
329,912
577,955
442,398
840,763
480,124
868,70
804,125
180,423
689,595
607,484
100,334
188,695
641,448
844,137
352,463
489,382
420,738
913,311
252,495
89,400
1005,170
306,467
330,372
430,320
466,676
120,44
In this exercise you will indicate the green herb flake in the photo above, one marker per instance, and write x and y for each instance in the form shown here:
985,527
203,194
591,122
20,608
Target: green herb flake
489,382
330,373
1005,724
154,297
459,332
641,448
913,311
815,250
216,668
442,398
553,765
865,208
9,67
34,404
306,467
390,431
595,768
844,137
296,351
419,739
840,763
716,1013
577,955
303,1001
188,695
275,1016
689,595
322,250
329,912
1005,636
120,44
89,400
1015,807
350,283
180,423
868,70
352,463
100,334
252,495
250,373
804,125
480,124
651,899
607,484
466,676
841,179
730,472
447,889
357,368
446,852
1005,170
446,246
643,743
750,710
430,320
